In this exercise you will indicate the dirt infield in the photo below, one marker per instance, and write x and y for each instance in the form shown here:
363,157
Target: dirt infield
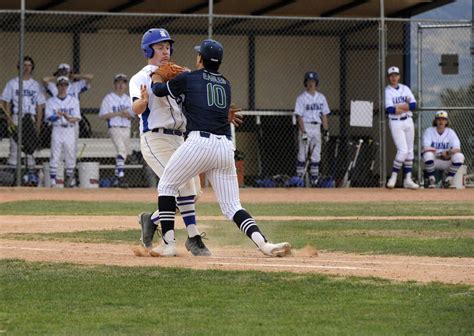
247,195
399,268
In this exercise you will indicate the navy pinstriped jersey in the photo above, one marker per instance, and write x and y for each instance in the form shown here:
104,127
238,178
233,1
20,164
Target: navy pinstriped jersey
206,102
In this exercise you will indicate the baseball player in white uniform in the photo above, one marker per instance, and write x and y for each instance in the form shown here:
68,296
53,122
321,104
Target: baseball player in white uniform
63,112
441,149
162,127
116,108
399,104
33,105
79,83
209,148
311,110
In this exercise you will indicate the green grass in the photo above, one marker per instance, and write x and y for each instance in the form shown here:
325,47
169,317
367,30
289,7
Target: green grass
420,237
63,299
277,209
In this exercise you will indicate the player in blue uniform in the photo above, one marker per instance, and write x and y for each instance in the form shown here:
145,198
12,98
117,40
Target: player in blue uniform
208,149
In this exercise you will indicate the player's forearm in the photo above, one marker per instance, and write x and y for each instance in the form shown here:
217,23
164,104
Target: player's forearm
159,89
139,106
48,79
455,150
39,116
401,108
8,113
300,122
86,77
325,122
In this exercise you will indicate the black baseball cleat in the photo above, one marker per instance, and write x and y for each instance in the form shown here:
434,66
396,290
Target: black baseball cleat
196,246
148,229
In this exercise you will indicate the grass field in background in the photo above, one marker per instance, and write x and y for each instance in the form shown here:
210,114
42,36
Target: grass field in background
53,299
270,209
414,237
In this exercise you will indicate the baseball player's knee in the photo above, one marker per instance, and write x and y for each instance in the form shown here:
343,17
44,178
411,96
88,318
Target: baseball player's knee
458,158
428,156
402,155
229,209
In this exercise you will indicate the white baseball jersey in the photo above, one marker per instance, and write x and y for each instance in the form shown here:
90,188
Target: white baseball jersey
115,103
69,105
442,142
310,107
399,95
74,89
32,96
161,112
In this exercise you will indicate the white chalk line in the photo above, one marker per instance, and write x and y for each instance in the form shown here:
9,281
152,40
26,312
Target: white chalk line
85,251
290,265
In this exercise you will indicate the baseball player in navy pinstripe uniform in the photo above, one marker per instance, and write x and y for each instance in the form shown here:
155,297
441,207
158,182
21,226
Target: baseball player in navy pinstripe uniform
208,149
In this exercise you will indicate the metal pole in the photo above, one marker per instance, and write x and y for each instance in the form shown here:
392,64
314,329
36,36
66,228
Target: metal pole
420,90
383,150
211,10
20,94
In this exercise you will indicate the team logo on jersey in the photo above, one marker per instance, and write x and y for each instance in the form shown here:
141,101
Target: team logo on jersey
440,145
314,107
400,99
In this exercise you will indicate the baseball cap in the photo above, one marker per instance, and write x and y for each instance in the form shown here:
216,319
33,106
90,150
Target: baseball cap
64,66
441,114
211,50
393,70
120,77
62,79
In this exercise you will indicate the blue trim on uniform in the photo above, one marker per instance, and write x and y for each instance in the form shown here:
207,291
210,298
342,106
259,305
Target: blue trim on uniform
160,89
391,110
145,116
412,106
161,164
169,90
53,118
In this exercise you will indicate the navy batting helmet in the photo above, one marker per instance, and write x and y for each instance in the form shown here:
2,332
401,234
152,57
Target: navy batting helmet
211,51
152,36
311,75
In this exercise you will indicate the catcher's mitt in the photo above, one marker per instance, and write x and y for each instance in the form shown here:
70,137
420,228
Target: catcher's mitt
169,71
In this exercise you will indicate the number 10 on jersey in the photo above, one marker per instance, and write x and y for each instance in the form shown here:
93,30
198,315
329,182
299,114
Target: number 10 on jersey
216,95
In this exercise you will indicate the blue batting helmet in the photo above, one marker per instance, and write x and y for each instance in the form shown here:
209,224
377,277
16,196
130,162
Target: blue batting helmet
211,50
152,36
311,75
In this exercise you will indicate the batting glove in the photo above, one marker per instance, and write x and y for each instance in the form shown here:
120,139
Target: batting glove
304,137
326,135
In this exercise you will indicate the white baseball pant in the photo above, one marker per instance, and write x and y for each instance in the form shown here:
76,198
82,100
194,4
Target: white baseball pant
403,134
157,149
210,153
432,163
63,138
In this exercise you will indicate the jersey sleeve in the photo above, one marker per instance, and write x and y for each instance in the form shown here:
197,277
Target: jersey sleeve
455,140
82,86
134,88
105,106
40,99
388,99
299,108
177,85
426,138
410,95
326,109
52,89
7,94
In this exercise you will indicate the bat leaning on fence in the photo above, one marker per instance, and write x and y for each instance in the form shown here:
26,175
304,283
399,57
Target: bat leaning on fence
346,181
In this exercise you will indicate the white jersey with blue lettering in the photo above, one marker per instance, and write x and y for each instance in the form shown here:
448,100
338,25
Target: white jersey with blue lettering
441,142
68,105
32,96
399,95
161,112
74,89
114,103
311,107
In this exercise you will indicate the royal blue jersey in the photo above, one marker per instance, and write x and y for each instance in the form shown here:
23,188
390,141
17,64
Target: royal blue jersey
207,99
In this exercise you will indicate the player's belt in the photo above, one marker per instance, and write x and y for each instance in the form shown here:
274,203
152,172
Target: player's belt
167,131
402,118
208,135
64,126
312,123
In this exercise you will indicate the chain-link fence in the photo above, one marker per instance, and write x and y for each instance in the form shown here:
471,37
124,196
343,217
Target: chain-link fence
265,60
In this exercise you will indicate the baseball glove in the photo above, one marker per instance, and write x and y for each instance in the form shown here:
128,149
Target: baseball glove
169,71
446,155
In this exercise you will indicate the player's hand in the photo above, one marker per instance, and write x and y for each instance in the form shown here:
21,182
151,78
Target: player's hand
326,135
304,137
234,117
143,93
11,128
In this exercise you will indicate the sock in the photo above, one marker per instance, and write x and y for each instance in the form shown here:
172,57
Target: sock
119,166
407,168
314,169
247,224
408,176
155,217
430,167
167,210
453,169
396,166
192,230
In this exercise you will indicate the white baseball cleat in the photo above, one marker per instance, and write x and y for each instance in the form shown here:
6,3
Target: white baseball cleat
432,182
164,249
276,250
409,184
391,182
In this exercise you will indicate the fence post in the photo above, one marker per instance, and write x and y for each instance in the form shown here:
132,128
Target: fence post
20,94
383,149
